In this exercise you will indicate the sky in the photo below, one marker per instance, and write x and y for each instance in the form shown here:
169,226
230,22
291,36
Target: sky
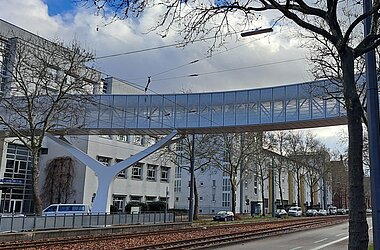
265,60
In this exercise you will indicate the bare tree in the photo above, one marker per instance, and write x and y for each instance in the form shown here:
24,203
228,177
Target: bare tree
58,185
180,154
316,169
42,92
233,154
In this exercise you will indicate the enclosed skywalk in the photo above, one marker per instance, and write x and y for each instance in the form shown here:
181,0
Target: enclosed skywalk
284,107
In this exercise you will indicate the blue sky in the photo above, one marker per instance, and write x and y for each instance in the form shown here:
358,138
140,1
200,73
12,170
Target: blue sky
59,6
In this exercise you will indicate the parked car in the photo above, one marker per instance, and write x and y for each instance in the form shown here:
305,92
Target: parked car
322,212
341,211
281,213
295,211
332,210
66,209
311,212
224,216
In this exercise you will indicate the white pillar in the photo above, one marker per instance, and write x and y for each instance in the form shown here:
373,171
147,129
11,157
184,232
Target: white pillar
106,174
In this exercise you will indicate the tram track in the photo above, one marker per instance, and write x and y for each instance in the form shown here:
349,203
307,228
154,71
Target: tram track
186,238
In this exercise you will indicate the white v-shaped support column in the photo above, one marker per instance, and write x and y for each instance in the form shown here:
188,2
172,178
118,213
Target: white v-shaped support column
106,174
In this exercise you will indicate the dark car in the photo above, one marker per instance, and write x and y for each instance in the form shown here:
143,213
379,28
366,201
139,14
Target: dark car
341,211
224,216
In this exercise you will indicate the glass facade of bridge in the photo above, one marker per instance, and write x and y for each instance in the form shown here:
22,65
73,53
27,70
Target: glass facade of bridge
277,105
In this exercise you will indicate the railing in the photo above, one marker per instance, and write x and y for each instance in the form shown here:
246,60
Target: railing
18,223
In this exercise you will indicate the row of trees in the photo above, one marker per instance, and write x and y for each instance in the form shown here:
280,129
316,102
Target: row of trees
242,156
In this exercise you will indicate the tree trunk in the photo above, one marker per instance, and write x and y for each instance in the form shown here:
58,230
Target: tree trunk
263,198
196,201
311,197
358,227
233,197
280,188
35,182
298,188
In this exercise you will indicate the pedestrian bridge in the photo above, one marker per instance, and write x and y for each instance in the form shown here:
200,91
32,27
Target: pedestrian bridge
294,106
286,107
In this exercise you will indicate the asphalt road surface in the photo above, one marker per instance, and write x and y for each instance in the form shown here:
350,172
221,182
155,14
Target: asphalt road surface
327,238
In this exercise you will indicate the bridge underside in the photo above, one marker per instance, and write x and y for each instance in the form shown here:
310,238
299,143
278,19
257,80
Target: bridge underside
205,130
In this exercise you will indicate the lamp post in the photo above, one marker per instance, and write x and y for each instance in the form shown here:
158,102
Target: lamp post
373,129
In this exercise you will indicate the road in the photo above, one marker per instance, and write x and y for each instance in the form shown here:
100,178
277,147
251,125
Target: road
327,238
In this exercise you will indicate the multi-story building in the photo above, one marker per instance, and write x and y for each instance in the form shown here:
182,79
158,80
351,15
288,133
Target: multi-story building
145,181
214,190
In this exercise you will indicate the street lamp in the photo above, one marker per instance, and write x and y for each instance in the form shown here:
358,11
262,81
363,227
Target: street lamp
256,32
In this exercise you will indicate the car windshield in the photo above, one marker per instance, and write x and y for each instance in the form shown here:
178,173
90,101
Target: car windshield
222,212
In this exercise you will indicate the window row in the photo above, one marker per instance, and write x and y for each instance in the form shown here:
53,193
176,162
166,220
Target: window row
140,170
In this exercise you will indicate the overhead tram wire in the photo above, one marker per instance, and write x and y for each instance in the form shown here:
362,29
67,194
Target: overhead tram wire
198,60
229,70
161,47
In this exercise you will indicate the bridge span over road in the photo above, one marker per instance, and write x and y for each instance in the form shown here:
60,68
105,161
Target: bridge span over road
284,107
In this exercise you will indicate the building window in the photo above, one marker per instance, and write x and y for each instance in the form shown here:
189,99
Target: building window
150,198
106,161
135,198
123,138
246,184
178,172
138,140
201,183
122,173
118,202
177,186
137,171
255,190
226,185
151,174
176,198
213,197
226,200
201,198
165,174
213,183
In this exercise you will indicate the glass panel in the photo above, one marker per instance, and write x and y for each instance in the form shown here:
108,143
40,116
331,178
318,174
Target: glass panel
278,104
118,119
181,111
304,109
205,110
155,111
168,111
143,119
193,110
254,100
317,107
131,112
217,109
241,108
106,110
229,108
92,112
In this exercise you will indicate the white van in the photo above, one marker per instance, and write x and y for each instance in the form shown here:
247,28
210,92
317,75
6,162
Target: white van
57,209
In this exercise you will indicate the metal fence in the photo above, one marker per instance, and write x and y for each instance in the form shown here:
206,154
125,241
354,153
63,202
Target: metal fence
16,223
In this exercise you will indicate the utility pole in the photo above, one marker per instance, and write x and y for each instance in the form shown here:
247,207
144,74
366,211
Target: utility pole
373,129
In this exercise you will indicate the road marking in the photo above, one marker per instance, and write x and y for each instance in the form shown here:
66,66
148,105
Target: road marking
295,248
319,241
330,243
340,234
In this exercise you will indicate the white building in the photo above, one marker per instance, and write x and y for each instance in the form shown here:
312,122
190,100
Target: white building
146,181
